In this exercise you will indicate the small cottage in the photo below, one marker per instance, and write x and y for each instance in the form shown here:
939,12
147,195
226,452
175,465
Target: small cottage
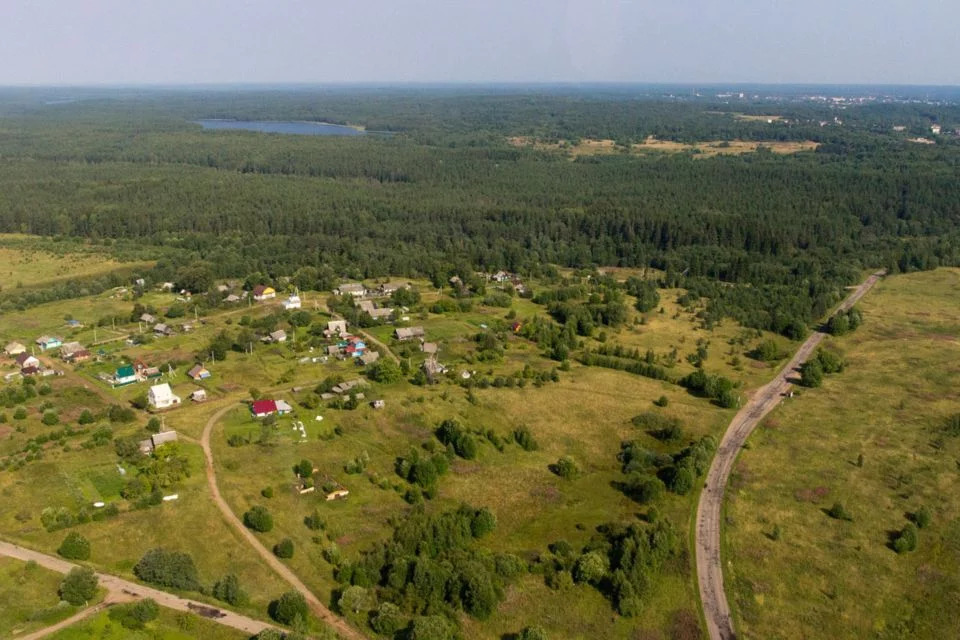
161,397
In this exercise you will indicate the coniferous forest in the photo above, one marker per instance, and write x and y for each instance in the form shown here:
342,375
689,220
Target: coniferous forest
438,187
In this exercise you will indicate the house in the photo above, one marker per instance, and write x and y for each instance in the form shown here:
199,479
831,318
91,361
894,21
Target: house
283,407
223,288
80,355
69,348
378,404
368,358
374,312
124,375
167,286
500,276
148,318
278,336
199,395
337,327
199,372
293,302
263,408
14,349
161,396
408,333
346,387
30,370
140,282
433,368
935,129
389,288
430,348
25,360
355,289
48,342
74,324
516,326
232,298
150,444
162,329
262,292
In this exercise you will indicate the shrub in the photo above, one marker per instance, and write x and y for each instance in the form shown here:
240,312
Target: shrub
86,417
20,413
228,590
482,523
50,418
166,568
288,608
662,401
566,468
388,620
431,628
267,492
284,548
591,567
906,540
79,586
532,633
75,547
304,468
154,425
258,519
525,439
838,512
135,615
922,518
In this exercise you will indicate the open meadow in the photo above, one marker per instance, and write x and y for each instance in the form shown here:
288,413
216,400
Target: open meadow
29,594
875,440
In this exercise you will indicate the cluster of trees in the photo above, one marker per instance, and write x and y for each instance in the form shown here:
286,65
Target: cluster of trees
714,386
823,363
649,473
430,567
167,568
621,359
844,322
155,474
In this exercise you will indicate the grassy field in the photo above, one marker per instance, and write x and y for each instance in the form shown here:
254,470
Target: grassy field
842,578
706,149
28,267
28,598
169,625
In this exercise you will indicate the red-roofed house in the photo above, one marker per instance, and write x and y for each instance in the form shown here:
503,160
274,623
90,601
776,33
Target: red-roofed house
263,408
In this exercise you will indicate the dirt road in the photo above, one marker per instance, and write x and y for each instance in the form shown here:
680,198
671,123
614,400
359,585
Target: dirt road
120,590
713,598
319,609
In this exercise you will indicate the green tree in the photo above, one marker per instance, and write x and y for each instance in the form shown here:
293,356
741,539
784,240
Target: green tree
289,607
566,468
168,569
79,586
388,620
20,413
259,519
591,567
75,547
532,633
906,540
86,417
355,600
50,418
385,371
228,590
922,517
839,512
482,523
811,373
284,548
304,468
431,628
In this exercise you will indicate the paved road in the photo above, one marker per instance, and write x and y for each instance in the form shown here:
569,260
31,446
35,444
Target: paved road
281,569
121,590
713,598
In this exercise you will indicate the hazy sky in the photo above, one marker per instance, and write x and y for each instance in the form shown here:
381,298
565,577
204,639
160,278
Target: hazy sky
193,41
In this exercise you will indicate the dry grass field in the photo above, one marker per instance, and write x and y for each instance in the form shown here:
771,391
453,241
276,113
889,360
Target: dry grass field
842,578
587,147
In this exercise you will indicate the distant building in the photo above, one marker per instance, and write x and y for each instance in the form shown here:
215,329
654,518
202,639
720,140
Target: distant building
278,336
232,298
263,292
283,407
355,289
124,375
25,361
368,358
408,333
161,397
293,302
263,408
199,372
148,318
14,349
199,395
150,444
337,327
162,329
935,129
48,342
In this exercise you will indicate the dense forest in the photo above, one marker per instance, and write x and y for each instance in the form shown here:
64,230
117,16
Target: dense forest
445,193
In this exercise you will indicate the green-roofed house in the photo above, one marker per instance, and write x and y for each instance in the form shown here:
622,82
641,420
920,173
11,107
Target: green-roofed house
124,376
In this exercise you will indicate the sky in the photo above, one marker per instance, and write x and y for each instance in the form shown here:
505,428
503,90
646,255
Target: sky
76,42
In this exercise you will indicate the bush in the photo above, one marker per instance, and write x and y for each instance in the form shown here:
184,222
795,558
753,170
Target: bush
86,417
288,608
50,418
482,523
284,548
135,615
267,492
75,547
80,586
922,518
166,568
566,468
154,425
906,540
662,401
258,519
388,620
591,567
532,633
525,439
838,512
431,628
304,468
228,590
20,413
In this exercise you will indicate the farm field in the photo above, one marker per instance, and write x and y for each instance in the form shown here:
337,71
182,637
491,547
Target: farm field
24,266
29,594
873,439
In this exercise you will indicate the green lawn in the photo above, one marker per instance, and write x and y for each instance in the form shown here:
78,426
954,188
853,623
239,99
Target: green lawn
28,598
169,625
842,578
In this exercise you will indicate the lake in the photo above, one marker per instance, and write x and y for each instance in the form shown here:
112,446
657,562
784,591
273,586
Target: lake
301,128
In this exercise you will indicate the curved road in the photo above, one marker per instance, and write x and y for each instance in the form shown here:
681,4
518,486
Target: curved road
319,609
121,590
713,598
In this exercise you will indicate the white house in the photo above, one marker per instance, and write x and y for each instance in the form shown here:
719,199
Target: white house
283,407
935,129
293,302
355,289
337,326
161,397
278,336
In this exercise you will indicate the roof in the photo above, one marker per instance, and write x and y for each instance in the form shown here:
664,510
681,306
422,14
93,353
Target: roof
279,334
261,289
197,371
14,347
70,347
161,391
161,327
369,357
429,347
24,357
283,405
409,332
351,287
48,339
263,407
232,298
163,437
